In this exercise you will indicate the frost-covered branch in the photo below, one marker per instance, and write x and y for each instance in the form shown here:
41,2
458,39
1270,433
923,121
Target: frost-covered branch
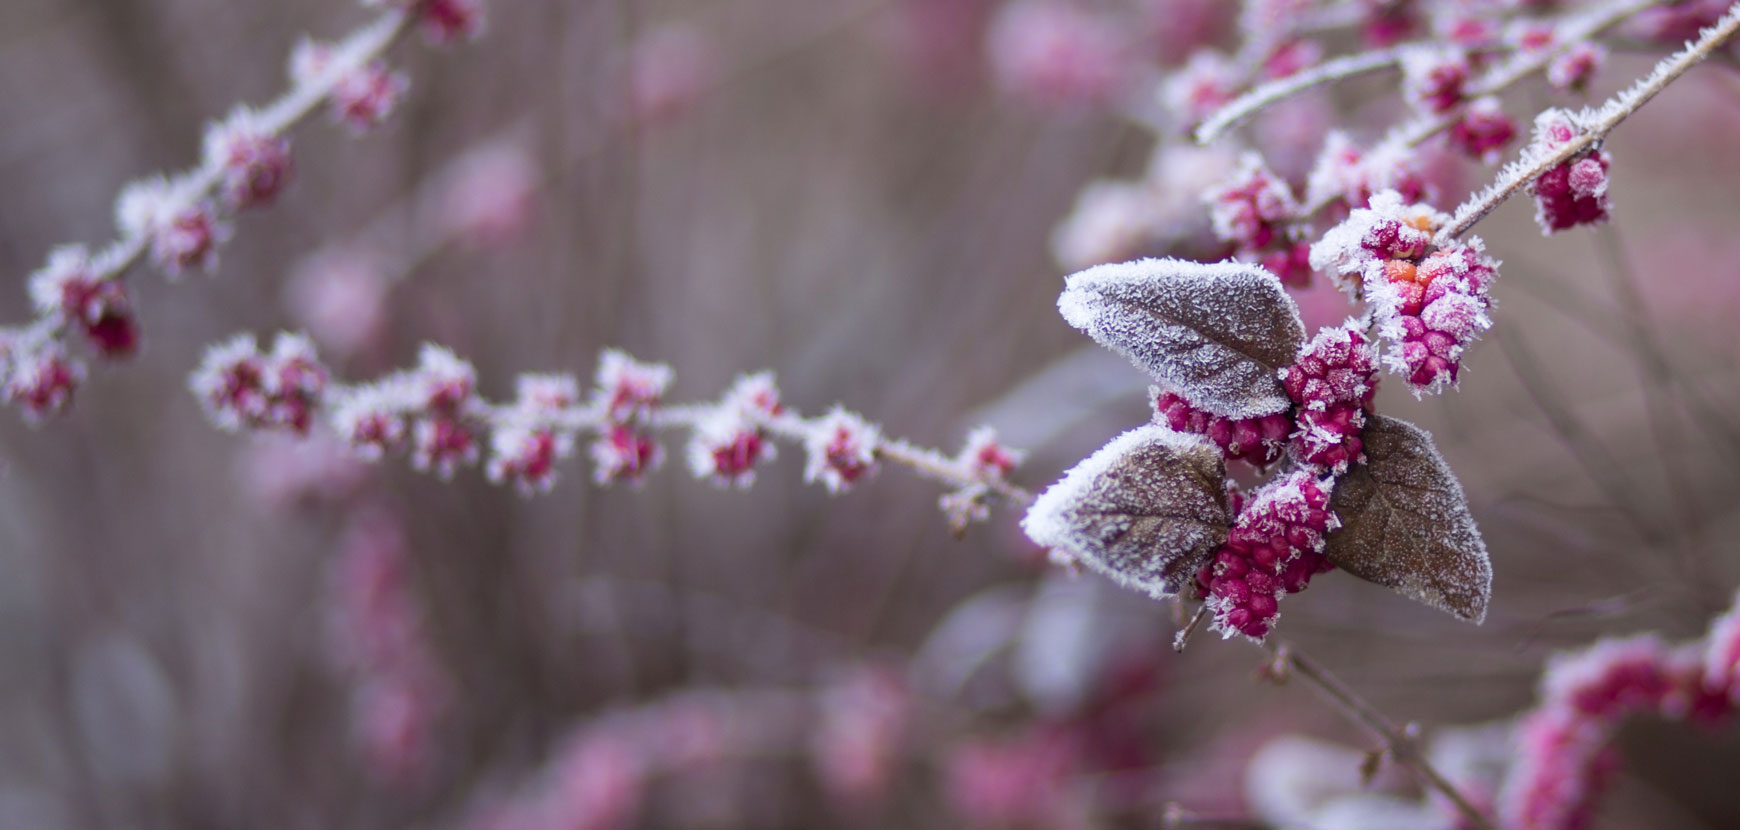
1524,63
1265,94
434,412
179,220
1590,127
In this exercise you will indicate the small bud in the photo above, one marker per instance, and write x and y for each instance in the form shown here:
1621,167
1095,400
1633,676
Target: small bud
624,453
1434,78
68,285
1573,69
841,450
628,389
182,231
41,380
255,163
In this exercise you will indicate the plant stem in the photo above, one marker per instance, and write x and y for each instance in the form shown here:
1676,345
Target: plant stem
1595,127
1400,745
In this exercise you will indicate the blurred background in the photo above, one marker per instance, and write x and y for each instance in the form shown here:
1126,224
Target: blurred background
201,630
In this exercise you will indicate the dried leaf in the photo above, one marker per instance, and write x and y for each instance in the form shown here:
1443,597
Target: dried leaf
1216,332
1405,523
1147,509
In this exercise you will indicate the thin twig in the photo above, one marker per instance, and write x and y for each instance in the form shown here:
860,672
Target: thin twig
1595,126
1263,95
1399,743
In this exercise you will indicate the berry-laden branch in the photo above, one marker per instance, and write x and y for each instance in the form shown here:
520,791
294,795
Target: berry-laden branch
433,412
178,221
1563,138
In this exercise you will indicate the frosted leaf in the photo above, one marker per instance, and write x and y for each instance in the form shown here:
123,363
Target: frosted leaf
1146,510
1405,523
1215,333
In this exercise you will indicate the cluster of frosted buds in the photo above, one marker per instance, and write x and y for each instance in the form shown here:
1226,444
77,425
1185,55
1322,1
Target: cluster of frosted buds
362,97
243,388
1332,383
1575,192
1204,84
1482,129
1345,172
181,229
627,395
840,450
39,377
443,393
442,21
1274,548
1258,440
69,287
255,163
530,436
1251,207
729,439
1565,759
1428,307
985,461
1434,79
1579,63
1056,53
433,405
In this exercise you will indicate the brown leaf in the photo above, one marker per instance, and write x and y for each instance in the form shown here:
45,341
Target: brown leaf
1147,509
1405,523
1215,332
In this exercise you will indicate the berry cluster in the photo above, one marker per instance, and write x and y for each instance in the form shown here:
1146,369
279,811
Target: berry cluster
1483,129
1428,306
1274,549
1252,209
1332,384
244,388
1258,440
1574,192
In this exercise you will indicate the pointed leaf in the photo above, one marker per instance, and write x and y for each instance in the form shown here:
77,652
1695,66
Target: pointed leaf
1405,523
1216,332
1147,509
